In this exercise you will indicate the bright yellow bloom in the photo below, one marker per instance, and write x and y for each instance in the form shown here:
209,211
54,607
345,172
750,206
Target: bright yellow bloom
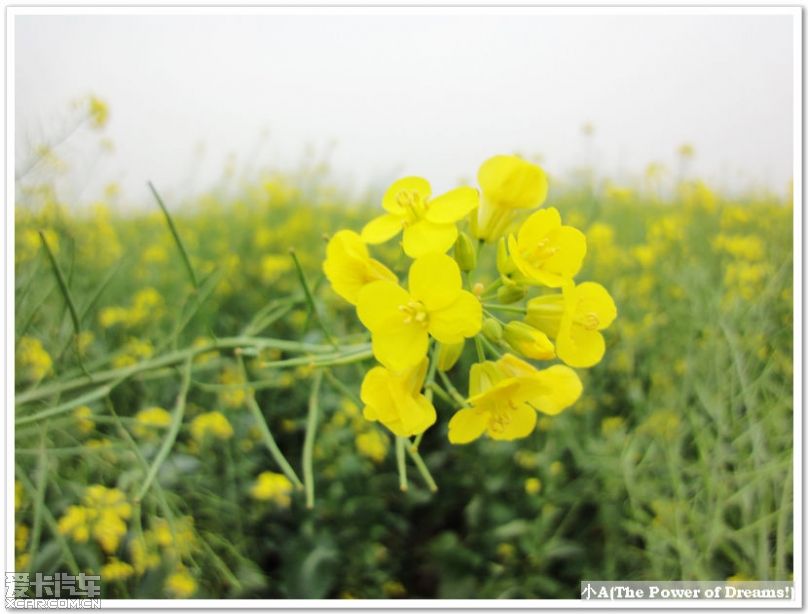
149,421
103,516
395,400
528,341
349,267
372,444
181,583
116,570
575,319
546,252
274,487
400,322
428,224
505,395
509,185
532,486
34,360
212,423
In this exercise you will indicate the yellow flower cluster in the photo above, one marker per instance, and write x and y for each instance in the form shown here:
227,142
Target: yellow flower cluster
33,360
211,424
441,305
274,487
102,516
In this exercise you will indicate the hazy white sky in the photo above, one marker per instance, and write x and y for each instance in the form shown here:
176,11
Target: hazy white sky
405,94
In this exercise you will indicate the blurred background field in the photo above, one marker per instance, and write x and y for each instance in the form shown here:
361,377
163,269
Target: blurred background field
676,463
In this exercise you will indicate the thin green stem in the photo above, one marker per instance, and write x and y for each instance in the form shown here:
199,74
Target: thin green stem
266,433
507,308
39,498
310,299
308,442
412,450
478,344
401,463
456,396
183,252
171,436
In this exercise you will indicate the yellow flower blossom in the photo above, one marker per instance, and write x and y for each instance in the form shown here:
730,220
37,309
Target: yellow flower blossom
505,395
509,185
528,341
98,112
546,252
349,267
575,319
428,224
181,583
212,423
274,487
34,361
395,400
102,516
532,486
373,445
149,421
115,570
401,322
83,416
274,266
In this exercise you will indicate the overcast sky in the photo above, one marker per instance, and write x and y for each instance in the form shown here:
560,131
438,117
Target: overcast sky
429,95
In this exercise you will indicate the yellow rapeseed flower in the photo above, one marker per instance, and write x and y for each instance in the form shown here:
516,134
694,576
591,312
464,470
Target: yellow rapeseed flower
34,360
274,487
546,252
400,322
505,395
395,400
149,421
428,224
349,267
211,423
83,416
528,341
509,185
373,445
181,583
115,570
575,319
532,486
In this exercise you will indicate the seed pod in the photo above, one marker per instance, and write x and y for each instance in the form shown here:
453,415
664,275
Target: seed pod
492,330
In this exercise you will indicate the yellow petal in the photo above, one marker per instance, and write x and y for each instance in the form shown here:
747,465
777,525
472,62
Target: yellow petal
377,305
537,226
348,266
561,388
462,319
424,237
376,394
521,423
416,414
413,380
532,273
381,228
467,425
402,348
579,347
511,182
571,245
435,280
453,206
411,186
594,298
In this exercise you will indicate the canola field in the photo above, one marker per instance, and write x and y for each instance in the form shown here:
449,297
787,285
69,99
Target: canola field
274,390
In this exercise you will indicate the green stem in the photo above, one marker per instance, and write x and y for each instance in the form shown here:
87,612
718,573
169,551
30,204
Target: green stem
478,344
308,442
508,308
183,252
401,463
458,398
412,450
310,300
263,426
434,387
171,436
39,499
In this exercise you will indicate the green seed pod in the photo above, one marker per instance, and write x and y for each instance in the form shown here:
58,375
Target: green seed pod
449,354
511,293
492,330
465,254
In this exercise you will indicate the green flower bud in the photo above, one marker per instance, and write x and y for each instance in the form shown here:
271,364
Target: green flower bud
449,354
465,254
492,330
510,293
528,341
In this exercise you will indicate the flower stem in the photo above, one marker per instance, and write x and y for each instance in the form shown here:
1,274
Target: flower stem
508,308
402,465
308,442
412,450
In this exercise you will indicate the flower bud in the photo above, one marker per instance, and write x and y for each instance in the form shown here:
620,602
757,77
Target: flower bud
545,312
464,253
505,265
510,293
449,354
492,330
528,341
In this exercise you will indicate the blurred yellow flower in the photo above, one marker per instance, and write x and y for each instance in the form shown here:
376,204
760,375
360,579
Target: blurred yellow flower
274,487
102,515
115,570
212,423
400,322
181,583
428,224
149,421
34,361
532,486
83,416
373,445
